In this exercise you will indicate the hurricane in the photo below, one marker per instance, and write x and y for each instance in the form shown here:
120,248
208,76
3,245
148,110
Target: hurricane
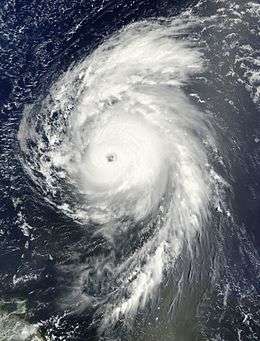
133,149
128,147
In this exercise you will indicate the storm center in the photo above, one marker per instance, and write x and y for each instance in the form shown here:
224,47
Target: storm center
111,157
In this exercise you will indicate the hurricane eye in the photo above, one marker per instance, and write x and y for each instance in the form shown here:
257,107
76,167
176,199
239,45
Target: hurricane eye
111,157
